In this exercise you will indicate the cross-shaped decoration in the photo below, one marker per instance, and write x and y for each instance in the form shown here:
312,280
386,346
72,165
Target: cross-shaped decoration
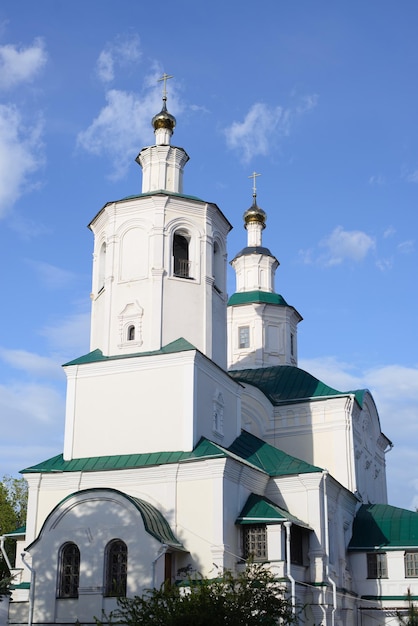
164,78
254,176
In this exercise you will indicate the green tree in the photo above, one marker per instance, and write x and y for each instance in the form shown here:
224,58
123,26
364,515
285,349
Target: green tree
252,598
410,618
13,505
17,496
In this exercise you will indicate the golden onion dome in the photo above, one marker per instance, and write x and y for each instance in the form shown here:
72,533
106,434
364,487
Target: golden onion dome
164,119
255,214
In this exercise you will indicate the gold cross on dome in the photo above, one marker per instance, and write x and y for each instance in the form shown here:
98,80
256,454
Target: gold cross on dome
165,77
254,176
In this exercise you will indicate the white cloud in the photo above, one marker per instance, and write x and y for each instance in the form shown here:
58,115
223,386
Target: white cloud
70,336
120,53
51,276
377,179
31,363
389,232
333,372
406,247
262,126
30,404
412,177
341,245
21,154
384,264
19,65
123,125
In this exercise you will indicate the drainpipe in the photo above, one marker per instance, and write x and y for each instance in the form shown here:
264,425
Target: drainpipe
4,553
160,553
288,525
333,583
32,588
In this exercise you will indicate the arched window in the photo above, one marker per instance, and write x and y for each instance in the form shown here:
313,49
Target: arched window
131,333
181,255
116,567
69,571
218,268
102,267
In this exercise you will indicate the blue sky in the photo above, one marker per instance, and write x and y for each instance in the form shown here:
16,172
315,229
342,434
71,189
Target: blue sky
321,98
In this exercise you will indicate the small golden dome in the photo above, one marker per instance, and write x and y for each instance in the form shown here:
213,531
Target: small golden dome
164,119
255,214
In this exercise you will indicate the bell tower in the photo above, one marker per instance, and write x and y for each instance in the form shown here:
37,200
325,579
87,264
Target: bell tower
262,327
159,261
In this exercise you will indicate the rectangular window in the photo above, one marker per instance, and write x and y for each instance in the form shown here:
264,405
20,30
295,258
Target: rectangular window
255,542
292,344
411,564
244,337
377,566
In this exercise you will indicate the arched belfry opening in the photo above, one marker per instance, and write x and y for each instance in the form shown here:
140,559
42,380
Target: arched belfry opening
181,254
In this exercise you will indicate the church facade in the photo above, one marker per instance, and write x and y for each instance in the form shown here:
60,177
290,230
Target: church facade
192,439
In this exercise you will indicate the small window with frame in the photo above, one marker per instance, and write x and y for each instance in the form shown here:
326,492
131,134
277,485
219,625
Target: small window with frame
255,542
377,566
411,564
243,337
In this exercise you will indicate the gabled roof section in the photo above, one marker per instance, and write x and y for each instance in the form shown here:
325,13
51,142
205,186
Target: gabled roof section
179,345
260,510
381,526
266,457
246,448
285,383
245,297
204,449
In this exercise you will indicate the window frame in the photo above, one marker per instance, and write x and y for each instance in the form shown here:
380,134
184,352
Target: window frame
68,571
244,345
254,539
412,556
377,565
115,570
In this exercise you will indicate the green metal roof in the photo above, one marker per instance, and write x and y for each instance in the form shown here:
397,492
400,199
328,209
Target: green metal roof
260,510
179,345
154,522
266,457
246,448
246,297
286,383
204,449
381,526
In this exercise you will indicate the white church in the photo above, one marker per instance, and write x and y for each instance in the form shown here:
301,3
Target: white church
192,439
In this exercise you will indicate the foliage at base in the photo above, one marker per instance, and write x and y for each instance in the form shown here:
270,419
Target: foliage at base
252,598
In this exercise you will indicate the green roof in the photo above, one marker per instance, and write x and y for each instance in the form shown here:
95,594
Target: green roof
268,458
246,448
204,449
246,297
260,510
285,383
179,345
155,523
381,526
